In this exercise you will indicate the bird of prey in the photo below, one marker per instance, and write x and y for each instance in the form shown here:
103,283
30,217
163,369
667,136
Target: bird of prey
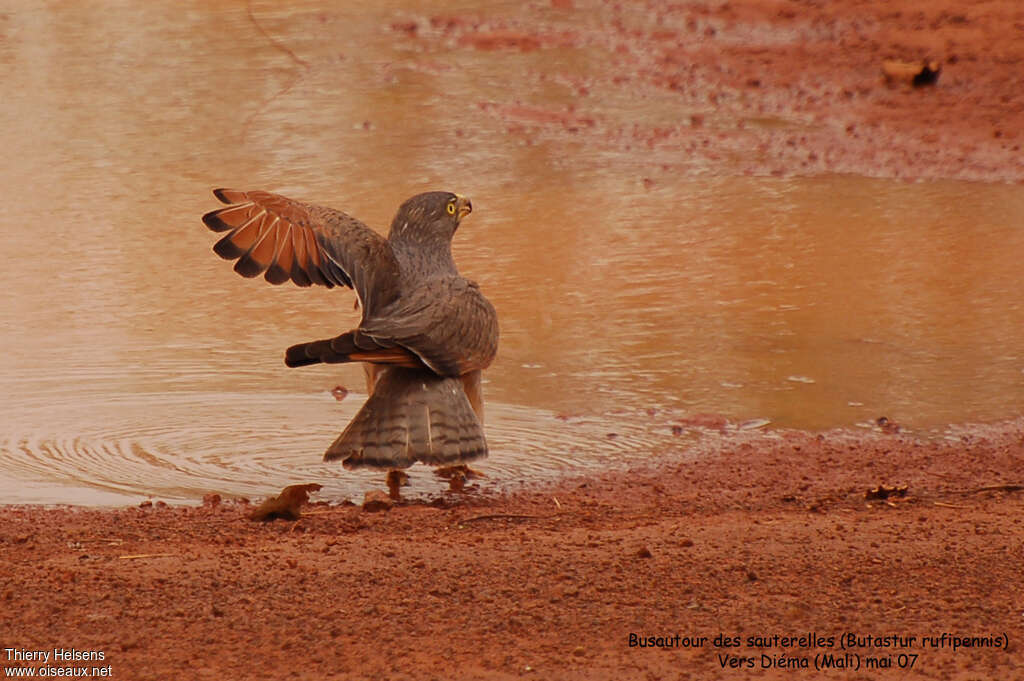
425,333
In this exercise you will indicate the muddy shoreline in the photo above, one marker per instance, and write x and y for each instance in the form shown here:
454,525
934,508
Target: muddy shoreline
772,535
774,88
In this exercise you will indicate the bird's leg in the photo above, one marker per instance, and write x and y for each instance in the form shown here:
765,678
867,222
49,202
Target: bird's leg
471,386
372,371
396,479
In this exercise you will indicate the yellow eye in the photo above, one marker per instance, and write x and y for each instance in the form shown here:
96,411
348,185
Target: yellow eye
450,208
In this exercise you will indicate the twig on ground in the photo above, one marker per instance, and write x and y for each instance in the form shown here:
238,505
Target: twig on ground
506,516
992,488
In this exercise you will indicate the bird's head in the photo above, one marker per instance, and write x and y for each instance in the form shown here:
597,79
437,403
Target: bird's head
434,214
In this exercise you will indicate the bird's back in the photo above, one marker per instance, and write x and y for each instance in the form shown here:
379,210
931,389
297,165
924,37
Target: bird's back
446,321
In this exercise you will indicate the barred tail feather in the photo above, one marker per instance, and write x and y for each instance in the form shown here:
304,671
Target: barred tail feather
413,415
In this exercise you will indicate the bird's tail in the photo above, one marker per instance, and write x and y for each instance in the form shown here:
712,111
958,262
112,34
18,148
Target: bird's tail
412,415
348,347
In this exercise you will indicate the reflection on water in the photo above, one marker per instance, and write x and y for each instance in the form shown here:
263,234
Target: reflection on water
136,363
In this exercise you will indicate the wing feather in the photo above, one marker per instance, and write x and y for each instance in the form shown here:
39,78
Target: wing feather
234,216
229,196
238,242
258,258
286,240
298,271
280,269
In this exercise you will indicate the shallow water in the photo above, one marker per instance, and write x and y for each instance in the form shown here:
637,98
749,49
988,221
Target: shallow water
136,363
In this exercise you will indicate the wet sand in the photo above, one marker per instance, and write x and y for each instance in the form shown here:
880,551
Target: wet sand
769,534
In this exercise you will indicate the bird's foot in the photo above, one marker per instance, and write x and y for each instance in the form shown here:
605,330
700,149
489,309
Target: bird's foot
457,475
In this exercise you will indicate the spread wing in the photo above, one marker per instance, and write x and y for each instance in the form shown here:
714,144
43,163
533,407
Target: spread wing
283,239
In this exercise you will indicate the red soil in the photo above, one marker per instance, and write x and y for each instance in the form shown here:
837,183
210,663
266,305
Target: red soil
769,537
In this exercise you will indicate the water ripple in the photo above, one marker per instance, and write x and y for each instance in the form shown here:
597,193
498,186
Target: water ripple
178,446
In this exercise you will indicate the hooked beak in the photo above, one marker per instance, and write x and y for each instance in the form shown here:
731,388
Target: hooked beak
463,206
